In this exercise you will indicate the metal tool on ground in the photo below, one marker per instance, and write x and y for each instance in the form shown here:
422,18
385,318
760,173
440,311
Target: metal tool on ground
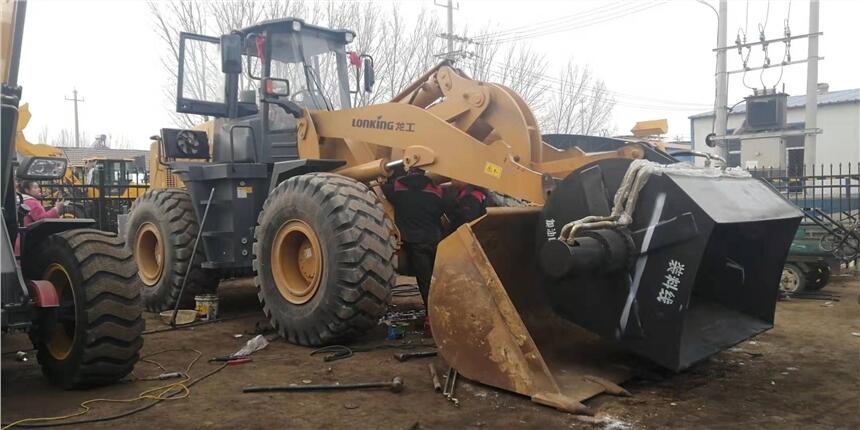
437,386
403,356
224,358
450,386
395,386
239,360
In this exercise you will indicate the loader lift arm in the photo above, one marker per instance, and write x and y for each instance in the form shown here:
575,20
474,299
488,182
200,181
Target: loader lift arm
452,126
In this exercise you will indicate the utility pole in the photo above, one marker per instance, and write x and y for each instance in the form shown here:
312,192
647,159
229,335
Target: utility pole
812,84
75,100
449,36
450,27
721,114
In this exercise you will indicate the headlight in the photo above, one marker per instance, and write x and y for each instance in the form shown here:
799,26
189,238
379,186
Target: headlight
348,37
42,168
297,26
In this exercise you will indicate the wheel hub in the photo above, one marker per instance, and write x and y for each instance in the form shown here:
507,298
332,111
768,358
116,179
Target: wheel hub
60,329
297,261
789,281
149,254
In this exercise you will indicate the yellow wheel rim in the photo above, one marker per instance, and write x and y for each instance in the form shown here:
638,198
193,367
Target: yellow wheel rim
297,261
149,253
61,334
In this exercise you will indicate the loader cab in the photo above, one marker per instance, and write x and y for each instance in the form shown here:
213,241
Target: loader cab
255,83
116,174
302,63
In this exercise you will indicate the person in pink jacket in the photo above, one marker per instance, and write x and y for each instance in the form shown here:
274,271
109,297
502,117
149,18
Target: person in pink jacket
31,202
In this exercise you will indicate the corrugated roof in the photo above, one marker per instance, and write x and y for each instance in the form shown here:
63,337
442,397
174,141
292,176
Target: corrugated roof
828,98
78,156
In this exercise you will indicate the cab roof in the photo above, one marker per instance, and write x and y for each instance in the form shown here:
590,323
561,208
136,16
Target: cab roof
284,33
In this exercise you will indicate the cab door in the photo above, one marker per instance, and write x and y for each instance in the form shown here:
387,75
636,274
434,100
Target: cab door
200,83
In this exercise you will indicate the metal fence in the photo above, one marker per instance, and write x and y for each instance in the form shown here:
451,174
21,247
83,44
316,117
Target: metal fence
103,203
833,189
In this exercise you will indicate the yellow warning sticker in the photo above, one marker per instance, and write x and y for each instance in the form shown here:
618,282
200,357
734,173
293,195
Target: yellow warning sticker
242,192
493,170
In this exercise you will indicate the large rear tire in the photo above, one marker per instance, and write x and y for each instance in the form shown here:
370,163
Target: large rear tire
324,258
95,335
162,228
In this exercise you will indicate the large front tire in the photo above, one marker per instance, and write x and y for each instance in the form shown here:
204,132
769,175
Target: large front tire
95,335
162,228
324,258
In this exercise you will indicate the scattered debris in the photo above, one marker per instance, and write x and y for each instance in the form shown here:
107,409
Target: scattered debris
606,422
827,304
257,343
791,369
238,335
306,381
856,333
450,385
437,386
21,356
350,406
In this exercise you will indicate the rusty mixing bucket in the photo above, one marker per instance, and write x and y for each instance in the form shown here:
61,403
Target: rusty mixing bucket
696,272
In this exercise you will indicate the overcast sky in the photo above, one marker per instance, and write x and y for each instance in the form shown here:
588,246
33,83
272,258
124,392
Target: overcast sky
656,56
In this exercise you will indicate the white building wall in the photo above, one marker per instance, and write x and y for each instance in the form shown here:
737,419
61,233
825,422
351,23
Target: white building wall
839,142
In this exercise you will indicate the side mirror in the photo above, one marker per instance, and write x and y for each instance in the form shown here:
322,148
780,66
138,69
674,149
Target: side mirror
369,76
231,53
42,168
274,87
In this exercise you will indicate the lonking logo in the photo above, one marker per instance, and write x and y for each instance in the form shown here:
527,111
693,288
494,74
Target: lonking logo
381,124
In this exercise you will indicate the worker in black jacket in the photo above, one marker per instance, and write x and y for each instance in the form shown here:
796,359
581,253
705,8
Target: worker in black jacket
418,212
464,203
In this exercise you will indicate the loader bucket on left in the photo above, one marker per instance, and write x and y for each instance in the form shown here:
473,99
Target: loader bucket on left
493,322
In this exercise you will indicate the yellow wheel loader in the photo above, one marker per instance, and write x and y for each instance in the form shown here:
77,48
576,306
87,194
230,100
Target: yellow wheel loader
621,250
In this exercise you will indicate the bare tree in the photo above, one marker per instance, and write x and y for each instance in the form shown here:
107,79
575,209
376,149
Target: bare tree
518,66
577,103
63,138
43,134
573,102
403,48
118,141
171,18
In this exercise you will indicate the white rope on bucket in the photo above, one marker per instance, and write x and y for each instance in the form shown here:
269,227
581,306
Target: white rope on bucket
624,202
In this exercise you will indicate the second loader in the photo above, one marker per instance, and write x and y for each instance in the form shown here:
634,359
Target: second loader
618,251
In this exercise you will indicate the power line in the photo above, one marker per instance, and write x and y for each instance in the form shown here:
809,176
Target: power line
592,93
543,24
636,8
642,100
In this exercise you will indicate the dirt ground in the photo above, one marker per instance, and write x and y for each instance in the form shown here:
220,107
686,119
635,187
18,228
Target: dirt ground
803,374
